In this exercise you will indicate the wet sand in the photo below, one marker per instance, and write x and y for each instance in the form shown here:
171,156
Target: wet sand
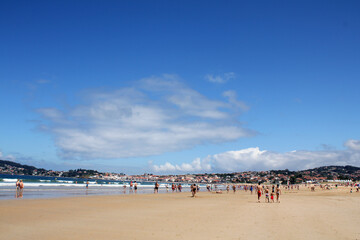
323,214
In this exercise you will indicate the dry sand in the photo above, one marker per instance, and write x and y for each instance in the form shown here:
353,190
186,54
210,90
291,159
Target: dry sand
323,214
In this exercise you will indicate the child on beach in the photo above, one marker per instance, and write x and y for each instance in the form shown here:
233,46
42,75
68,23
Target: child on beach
272,196
267,195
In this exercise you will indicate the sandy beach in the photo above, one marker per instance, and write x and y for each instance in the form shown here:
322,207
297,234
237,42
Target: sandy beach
323,214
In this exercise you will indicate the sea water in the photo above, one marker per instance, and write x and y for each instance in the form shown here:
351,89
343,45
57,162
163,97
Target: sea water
51,187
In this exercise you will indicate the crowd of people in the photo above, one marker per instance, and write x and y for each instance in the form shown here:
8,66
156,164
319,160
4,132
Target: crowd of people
272,192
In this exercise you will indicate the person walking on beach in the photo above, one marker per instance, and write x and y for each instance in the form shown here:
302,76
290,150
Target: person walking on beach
179,187
87,184
131,186
135,187
17,184
156,188
227,188
173,187
193,189
234,188
278,192
259,190
20,191
267,199
124,187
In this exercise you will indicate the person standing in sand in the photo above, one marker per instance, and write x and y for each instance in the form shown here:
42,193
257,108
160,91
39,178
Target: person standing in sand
278,192
17,184
131,186
227,188
87,184
193,189
267,195
259,190
156,188
21,188
135,187
234,188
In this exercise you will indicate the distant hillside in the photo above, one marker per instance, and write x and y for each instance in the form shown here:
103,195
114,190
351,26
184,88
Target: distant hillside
325,169
339,169
318,174
9,167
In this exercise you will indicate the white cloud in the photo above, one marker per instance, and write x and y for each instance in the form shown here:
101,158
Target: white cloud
7,157
197,165
353,144
256,159
232,96
157,115
220,78
51,113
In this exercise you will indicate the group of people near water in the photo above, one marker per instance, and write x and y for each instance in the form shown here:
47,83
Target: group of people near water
19,188
261,190
132,188
274,191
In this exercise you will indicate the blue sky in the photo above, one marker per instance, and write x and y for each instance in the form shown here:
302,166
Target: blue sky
180,86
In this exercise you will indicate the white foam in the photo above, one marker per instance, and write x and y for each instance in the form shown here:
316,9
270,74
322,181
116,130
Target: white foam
10,180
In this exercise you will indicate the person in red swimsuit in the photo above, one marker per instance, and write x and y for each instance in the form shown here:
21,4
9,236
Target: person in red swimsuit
259,188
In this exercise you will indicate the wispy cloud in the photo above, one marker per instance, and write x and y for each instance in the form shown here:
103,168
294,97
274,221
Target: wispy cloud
256,159
197,165
353,144
8,157
223,78
156,115
232,96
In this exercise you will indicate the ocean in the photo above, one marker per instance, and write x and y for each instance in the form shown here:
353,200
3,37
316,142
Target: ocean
51,187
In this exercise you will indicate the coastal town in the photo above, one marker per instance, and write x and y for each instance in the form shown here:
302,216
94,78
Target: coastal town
320,174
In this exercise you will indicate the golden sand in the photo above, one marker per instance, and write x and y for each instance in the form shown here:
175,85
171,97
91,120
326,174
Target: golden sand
323,214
